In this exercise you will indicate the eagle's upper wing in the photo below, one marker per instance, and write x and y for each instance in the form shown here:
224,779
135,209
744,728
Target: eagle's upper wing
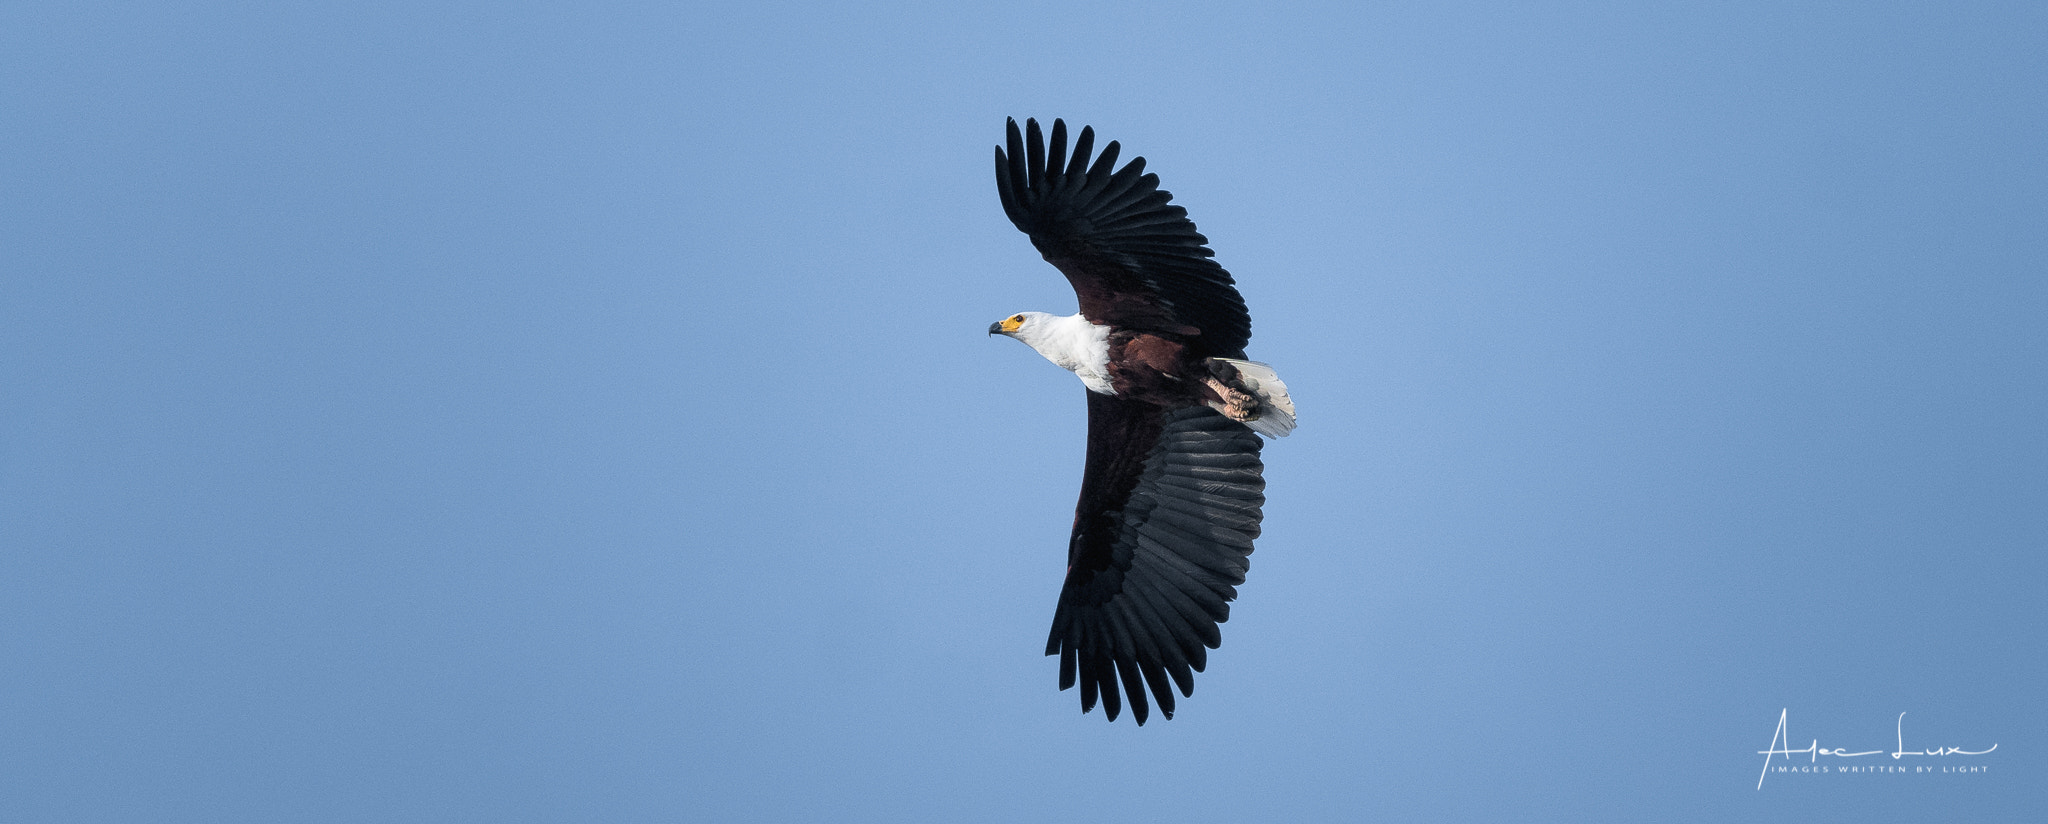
1169,507
1135,261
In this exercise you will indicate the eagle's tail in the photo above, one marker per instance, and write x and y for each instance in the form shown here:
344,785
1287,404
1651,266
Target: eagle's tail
1276,411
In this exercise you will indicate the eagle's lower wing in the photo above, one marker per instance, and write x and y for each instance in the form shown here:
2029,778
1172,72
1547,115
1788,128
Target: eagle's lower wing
1135,260
1169,507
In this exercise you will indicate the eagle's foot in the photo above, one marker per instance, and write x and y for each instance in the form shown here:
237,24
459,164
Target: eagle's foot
1235,403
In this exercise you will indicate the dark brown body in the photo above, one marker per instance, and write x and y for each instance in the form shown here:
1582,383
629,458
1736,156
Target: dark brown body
1167,371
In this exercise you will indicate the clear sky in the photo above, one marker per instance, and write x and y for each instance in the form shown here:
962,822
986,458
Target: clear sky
583,412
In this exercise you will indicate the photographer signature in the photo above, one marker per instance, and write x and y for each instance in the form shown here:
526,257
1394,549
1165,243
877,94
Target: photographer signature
1781,745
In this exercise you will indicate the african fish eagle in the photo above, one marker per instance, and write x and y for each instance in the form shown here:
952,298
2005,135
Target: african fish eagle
1171,492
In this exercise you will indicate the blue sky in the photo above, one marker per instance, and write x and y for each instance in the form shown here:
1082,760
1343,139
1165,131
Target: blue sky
505,412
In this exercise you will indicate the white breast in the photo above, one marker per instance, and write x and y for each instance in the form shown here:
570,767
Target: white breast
1074,344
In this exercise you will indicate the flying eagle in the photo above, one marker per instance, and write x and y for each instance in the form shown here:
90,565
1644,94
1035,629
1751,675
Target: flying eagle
1171,494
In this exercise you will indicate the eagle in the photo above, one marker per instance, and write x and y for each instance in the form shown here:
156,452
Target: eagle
1172,489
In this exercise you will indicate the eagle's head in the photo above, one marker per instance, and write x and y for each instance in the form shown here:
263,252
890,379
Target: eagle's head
1031,327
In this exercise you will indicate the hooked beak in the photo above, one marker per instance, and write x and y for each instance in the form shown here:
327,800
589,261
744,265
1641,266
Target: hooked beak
995,329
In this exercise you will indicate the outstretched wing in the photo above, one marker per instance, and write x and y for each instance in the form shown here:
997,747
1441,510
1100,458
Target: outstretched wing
1135,261
1169,507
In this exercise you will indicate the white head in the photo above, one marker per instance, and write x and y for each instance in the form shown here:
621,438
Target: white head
1033,328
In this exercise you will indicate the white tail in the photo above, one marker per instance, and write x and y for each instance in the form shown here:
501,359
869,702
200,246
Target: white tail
1276,410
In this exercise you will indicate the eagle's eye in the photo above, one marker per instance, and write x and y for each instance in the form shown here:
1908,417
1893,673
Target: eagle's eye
1017,319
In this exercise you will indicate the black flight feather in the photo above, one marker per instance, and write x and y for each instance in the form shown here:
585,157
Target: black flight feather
1135,261
1152,564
